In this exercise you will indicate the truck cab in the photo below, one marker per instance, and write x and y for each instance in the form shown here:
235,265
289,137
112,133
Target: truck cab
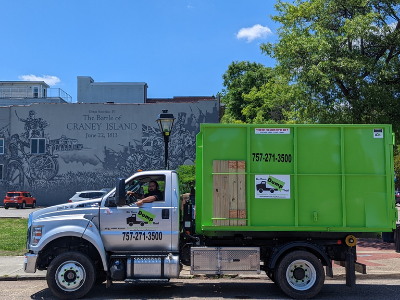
108,239
153,227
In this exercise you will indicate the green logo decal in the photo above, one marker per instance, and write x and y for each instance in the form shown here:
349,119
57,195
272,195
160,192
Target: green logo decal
276,183
146,216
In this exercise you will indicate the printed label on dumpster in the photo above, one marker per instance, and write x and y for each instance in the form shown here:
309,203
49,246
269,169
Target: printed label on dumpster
272,186
272,131
378,133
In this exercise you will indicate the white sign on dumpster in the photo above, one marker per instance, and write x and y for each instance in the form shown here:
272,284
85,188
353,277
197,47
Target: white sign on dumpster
272,186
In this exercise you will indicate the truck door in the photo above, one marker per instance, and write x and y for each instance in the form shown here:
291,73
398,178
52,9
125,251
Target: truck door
139,229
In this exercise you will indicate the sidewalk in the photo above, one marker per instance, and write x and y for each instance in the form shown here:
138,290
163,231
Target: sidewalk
380,258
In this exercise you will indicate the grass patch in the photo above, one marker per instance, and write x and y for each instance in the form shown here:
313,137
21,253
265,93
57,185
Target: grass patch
13,236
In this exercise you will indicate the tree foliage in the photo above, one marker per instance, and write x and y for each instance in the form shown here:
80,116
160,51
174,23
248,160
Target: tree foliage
240,79
346,54
187,177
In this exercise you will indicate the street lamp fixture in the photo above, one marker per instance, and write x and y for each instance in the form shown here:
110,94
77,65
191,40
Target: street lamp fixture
165,122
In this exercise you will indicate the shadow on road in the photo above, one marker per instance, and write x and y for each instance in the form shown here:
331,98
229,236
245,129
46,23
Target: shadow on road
229,289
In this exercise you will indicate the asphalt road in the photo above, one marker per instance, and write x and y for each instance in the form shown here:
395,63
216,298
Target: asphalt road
207,289
17,213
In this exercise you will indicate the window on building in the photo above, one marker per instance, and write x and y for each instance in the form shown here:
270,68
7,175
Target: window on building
38,146
1,172
35,92
1,146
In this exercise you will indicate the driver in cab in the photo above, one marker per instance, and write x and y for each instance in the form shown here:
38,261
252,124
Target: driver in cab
154,194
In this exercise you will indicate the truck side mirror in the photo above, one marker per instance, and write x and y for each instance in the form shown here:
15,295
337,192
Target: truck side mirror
120,197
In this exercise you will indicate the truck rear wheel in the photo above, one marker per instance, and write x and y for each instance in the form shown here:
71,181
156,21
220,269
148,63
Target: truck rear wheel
300,275
71,275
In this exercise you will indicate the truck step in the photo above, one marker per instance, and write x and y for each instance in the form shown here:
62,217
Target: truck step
147,280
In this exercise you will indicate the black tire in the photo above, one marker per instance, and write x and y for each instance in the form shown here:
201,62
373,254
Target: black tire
23,205
5,207
300,275
34,204
70,265
260,191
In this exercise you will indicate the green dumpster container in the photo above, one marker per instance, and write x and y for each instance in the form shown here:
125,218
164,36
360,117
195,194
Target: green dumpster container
327,178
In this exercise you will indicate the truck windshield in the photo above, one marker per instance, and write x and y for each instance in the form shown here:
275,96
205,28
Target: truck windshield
133,186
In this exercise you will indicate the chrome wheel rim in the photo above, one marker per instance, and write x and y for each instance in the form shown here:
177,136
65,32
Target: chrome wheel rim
301,275
70,276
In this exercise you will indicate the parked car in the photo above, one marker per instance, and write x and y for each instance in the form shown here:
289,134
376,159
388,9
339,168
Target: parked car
19,200
397,196
87,195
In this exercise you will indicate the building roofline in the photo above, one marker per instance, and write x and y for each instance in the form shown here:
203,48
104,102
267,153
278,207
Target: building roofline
119,83
25,82
180,99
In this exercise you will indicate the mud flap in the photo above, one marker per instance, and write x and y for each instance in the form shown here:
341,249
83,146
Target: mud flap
329,272
350,270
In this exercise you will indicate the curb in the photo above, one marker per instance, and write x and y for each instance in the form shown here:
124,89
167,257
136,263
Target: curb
21,278
233,277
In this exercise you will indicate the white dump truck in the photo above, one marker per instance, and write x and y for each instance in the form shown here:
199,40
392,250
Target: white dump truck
286,200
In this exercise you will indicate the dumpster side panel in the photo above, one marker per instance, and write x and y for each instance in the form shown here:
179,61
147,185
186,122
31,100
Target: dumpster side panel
297,177
319,180
218,143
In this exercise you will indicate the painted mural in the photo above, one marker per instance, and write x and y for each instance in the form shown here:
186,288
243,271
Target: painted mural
89,146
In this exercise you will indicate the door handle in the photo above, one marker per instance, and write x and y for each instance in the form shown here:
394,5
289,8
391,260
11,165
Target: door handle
165,213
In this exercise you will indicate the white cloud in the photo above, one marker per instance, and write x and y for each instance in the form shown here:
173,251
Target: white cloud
50,80
252,33
393,26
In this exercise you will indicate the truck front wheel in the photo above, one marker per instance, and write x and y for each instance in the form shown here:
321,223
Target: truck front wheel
300,274
71,275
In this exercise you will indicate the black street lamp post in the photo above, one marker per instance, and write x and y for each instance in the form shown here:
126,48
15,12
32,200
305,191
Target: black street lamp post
165,122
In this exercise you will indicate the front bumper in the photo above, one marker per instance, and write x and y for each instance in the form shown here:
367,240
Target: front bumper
30,262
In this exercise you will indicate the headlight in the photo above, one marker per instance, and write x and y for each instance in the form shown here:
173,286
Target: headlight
36,234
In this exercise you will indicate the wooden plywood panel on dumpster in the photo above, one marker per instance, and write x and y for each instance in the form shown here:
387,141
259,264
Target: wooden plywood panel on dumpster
229,193
233,204
241,192
221,193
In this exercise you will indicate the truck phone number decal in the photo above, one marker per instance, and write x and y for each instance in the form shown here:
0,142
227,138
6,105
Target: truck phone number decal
141,236
272,157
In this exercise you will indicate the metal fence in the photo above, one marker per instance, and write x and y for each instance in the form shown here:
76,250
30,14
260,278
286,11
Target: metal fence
21,93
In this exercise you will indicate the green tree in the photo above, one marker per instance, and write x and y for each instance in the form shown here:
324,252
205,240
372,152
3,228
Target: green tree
241,78
277,101
187,177
345,53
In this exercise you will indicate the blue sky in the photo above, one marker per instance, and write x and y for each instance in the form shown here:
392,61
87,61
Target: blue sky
179,48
